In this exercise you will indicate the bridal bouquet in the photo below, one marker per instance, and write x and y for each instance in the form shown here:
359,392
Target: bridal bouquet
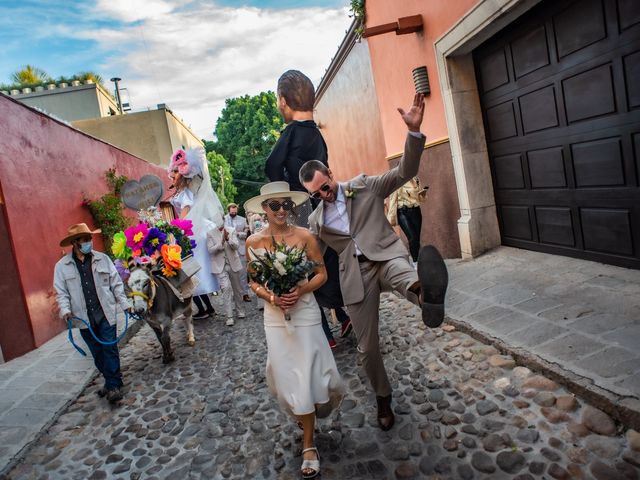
281,269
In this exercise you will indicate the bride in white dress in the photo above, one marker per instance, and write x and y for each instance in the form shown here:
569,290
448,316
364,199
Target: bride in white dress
301,371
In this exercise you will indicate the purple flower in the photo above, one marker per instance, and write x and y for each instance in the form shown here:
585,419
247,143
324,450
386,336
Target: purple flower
153,241
193,243
122,269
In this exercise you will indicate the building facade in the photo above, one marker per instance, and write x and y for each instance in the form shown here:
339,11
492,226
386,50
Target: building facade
46,169
535,110
69,102
152,134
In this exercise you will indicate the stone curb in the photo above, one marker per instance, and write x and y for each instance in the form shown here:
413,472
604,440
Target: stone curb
624,409
131,331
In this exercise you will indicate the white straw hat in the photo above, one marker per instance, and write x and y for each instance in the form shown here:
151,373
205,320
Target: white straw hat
274,190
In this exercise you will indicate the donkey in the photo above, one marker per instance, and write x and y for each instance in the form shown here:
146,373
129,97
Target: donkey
154,299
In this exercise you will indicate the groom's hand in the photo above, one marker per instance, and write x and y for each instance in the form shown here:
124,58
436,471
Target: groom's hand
413,117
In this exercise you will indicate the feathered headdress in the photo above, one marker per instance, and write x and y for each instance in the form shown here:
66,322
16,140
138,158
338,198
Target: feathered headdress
189,163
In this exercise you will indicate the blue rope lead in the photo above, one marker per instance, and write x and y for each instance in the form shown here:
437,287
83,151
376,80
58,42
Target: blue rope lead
82,352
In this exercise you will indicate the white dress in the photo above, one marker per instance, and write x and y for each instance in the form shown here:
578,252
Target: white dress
207,281
301,371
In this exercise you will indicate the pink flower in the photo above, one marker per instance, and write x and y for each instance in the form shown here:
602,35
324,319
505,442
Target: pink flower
135,235
185,225
179,162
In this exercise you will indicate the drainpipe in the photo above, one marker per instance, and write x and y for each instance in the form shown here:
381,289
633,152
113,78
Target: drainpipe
116,80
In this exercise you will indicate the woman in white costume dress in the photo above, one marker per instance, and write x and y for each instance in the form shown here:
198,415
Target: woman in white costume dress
301,371
195,200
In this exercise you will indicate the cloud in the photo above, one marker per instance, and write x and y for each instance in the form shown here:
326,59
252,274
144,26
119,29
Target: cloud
193,56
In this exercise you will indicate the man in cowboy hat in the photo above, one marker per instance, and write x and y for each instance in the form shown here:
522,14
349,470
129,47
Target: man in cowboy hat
88,287
239,223
351,220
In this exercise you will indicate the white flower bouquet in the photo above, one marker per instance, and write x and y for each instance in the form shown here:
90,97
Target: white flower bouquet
281,269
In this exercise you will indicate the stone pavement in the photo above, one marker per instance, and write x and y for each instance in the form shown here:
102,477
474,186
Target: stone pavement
35,387
463,412
582,319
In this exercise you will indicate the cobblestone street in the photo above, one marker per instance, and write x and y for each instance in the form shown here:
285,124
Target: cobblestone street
463,411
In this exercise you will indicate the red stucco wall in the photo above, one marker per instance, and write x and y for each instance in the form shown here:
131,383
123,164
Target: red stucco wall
393,57
44,168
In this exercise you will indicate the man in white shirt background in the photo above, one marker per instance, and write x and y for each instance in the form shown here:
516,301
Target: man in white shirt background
232,219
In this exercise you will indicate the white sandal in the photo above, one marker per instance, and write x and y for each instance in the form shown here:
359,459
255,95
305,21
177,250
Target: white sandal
313,465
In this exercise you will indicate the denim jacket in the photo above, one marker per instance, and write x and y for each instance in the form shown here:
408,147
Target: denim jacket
109,286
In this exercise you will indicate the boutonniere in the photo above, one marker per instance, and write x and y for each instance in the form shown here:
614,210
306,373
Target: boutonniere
350,193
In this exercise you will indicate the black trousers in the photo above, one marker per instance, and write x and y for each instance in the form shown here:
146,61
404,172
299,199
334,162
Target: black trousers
410,221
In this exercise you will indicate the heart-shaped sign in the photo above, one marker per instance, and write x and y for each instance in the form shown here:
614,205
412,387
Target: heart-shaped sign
138,195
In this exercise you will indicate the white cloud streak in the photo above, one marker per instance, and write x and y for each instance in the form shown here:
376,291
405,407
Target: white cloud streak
193,57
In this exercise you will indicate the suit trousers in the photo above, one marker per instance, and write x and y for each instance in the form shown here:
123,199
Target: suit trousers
232,292
395,274
242,275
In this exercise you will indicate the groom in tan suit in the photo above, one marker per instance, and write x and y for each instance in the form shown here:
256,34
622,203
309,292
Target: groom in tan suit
351,220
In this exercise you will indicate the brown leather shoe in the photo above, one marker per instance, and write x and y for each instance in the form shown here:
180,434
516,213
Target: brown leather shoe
246,298
386,419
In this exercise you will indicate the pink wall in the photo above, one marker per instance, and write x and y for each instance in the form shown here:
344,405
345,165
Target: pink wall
393,57
349,119
44,168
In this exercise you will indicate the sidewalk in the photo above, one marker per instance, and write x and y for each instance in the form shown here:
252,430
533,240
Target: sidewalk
36,387
575,319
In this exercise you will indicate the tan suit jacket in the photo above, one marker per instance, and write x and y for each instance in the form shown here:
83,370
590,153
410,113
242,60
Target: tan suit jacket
368,225
220,250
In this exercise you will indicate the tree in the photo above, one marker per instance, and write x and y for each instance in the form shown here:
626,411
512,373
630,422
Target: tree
221,178
246,131
29,75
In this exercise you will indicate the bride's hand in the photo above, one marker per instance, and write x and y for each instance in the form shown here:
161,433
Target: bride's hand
290,299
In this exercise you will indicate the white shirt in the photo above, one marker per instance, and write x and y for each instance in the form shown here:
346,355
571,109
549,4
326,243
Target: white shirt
336,215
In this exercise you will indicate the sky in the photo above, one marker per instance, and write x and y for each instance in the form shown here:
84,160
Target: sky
188,54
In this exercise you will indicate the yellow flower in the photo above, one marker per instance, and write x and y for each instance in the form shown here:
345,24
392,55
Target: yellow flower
167,271
119,246
171,255
138,237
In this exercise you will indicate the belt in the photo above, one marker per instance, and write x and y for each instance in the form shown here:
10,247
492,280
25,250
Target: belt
362,258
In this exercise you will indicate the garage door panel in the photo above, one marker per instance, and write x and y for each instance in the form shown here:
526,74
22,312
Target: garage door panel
598,163
530,52
607,230
589,94
632,73
508,172
546,168
516,222
501,120
538,110
494,70
580,25
555,226
628,13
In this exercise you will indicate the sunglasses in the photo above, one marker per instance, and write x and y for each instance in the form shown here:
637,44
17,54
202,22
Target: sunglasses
324,188
286,205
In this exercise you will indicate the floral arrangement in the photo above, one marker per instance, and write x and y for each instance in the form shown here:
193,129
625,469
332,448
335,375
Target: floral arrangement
154,242
281,269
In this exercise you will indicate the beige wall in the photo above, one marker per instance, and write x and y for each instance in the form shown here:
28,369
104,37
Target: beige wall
349,118
152,135
71,103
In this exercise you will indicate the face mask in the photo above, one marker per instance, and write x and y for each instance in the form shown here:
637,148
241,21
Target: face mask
86,247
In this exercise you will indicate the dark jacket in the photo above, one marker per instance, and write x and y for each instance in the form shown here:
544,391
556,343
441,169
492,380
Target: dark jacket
298,143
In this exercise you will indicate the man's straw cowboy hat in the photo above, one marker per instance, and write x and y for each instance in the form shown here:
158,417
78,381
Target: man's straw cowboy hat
75,231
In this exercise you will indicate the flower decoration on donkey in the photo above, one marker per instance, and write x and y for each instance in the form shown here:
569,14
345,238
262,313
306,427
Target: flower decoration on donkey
280,270
155,242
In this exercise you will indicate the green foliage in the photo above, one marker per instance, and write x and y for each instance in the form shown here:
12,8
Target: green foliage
31,77
358,12
221,177
107,211
246,131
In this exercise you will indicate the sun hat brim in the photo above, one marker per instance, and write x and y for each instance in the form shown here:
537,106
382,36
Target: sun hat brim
65,242
254,204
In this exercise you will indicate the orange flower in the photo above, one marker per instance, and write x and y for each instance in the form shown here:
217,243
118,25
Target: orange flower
171,255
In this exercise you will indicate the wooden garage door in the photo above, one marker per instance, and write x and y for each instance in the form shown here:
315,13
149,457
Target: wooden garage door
560,94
